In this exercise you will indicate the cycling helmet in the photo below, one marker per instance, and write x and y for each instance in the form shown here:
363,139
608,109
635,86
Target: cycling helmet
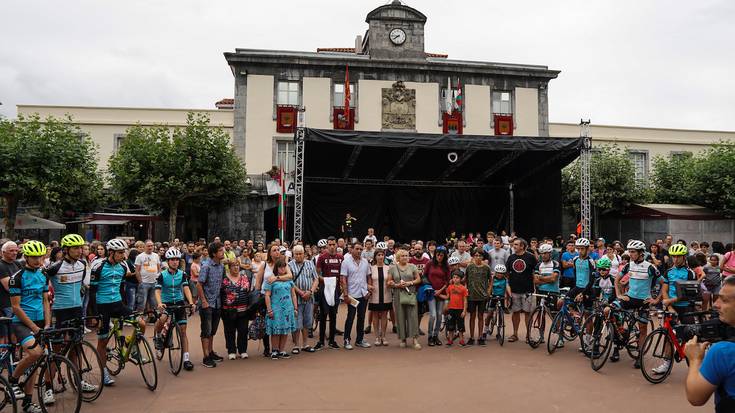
544,248
34,249
636,245
678,250
500,268
604,263
441,249
453,260
381,245
282,249
173,253
322,243
116,245
72,240
582,242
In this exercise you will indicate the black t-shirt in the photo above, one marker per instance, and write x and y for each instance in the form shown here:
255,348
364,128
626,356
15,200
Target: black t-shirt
6,270
520,272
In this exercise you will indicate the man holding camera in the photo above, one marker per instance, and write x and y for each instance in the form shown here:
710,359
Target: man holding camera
712,367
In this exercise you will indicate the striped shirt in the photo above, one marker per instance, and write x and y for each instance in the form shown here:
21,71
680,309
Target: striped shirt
304,275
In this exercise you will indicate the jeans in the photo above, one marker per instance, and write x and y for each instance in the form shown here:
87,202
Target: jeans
146,294
131,292
360,310
324,311
236,331
436,309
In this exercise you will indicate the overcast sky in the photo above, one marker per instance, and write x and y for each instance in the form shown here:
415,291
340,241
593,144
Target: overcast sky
624,62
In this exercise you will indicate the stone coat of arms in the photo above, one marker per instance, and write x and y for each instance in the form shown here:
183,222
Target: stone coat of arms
399,107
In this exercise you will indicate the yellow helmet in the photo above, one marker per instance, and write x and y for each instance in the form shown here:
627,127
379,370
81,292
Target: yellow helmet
72,240
34,249
677,250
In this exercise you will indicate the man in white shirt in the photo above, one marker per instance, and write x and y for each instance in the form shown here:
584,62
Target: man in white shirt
354,273
370,236
463,255
148,265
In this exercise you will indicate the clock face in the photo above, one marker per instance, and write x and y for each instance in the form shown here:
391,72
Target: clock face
397,36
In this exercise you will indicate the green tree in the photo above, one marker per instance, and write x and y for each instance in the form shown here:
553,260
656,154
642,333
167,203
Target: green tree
49,162
612,181
162,168
672,179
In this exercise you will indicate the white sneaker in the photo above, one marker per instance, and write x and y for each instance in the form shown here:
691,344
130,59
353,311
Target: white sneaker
243,355
32,408
48,397
231,356
107,379
88,387
663,368
363,344
348,346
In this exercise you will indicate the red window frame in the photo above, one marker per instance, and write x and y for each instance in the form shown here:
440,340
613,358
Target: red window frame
285,119
338,121
503,124
452,123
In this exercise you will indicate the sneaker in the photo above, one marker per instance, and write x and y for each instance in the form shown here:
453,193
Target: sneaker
32,408
384,342
274,355
243,356
437,342
308,349
216,357
449,342
318,346
231,356
378,342
208,363
431,341
471,342
295,350
637,364
334,345
107,379
88,387
663,368
48,397
615,356
368,330
348,346
284,355
17,391
403,344
363,344
416,345
188,365
482,342
462,343
484,336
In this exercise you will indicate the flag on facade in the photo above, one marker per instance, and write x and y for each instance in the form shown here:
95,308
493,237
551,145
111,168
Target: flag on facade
448,103
347,95
458,97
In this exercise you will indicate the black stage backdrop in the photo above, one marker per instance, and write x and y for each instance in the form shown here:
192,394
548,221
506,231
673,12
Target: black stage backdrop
340,178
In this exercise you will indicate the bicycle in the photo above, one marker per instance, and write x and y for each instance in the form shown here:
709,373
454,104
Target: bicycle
171,339
84,354
497,305
7,351
664,345
619,329
565,327
537,326
134,348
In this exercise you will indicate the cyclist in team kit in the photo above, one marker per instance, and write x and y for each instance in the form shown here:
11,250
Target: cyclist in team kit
583,267
107,274
547,272
29,298
172,287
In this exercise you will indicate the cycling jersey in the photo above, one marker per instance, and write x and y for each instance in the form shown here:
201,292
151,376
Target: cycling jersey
172,285
583,272
546,269
30,285
642,275
106,278
67,278
678,274
499,286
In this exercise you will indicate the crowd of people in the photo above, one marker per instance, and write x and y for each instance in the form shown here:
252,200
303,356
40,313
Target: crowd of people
278,292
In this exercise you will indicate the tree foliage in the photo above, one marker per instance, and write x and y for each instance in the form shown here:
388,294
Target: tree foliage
612,181
162,168
48,162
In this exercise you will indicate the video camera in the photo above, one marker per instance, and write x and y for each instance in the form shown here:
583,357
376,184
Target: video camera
712,331
688,290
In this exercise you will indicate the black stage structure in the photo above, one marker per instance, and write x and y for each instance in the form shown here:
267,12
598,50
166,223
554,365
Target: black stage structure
405,184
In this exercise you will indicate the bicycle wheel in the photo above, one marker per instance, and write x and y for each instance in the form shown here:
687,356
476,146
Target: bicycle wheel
556,336
493,321
161,346
89,365
143,356
537,327
7,399
657,356
585,334
175,350
65,384
113,362
571,324
500,324
633,335
602,341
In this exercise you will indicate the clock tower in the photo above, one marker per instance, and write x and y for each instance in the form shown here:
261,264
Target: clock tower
396,32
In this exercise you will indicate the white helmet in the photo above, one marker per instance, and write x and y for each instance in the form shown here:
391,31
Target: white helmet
381,246
172,253
322,243
116,245
544,248
636,245
582,242
453,260
500,268
282,249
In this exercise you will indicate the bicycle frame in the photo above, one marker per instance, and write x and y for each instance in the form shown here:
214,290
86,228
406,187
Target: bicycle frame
667,325
126,344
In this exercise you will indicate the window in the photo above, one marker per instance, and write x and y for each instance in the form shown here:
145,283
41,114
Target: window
285,156
288,93
640,164
339,95
502,102
119,139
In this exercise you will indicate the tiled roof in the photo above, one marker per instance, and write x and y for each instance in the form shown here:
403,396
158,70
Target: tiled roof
352,50
226,103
